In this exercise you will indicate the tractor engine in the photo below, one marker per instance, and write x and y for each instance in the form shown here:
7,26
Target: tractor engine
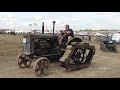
42,47
42,44
39,44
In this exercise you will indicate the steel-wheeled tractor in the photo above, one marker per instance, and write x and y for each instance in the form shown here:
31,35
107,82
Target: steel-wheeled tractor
43,49
107,43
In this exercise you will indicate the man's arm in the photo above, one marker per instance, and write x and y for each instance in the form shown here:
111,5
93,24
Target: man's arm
69,32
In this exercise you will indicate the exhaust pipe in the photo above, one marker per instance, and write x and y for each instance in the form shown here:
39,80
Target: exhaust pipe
42,27
53,27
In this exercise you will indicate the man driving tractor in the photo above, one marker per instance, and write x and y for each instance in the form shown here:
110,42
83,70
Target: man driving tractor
66,35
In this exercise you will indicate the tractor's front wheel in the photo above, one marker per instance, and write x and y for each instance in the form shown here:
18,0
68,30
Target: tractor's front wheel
23,62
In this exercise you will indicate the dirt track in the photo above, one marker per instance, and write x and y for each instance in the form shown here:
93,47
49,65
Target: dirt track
104,64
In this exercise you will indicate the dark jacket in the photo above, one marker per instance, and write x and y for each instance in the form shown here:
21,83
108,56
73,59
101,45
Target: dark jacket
72,33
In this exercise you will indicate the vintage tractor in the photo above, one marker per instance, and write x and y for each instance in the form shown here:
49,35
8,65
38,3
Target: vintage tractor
43,49
107,43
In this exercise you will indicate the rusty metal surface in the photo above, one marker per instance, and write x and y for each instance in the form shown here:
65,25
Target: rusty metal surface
41,66
23,62
74,51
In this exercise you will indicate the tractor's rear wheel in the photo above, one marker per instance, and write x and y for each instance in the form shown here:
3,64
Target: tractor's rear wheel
80,58
40,66
23,62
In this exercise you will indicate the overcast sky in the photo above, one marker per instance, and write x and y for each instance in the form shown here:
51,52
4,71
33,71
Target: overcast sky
76,20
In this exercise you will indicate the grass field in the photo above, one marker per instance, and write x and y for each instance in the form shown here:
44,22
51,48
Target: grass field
104,64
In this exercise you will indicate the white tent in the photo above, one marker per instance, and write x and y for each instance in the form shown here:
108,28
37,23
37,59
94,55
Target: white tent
116,37
98,34
18,31
83,33
8,31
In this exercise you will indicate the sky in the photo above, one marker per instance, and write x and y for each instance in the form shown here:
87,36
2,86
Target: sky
76,20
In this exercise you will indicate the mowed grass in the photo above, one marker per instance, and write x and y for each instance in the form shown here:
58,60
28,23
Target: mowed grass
104,64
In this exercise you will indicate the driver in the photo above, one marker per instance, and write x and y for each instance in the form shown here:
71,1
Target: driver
67,34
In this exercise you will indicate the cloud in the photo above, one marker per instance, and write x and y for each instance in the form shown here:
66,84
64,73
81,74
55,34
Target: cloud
10,16
50,20
58,24
38,17
8,19
76,20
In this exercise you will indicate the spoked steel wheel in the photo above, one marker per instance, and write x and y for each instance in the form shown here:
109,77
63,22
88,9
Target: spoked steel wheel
81,58
22,62
40,66
80,55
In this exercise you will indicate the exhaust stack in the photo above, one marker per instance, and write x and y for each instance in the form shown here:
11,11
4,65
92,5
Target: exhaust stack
42,27
53,27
